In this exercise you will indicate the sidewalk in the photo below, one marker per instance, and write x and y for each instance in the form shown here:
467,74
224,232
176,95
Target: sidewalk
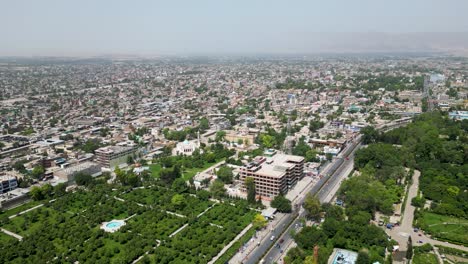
230,244
259,237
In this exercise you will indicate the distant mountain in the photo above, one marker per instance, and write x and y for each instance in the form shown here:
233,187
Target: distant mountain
452,43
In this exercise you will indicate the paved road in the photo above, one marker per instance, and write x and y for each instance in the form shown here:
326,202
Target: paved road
325,195
406,229
325,185
325,190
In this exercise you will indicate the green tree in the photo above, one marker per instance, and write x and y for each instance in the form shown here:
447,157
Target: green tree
259,221
179,185
36,193
251,191
225,174
312,207
37,172
369,135
220,135
268,141
409,250
282,204
204,124
178,200
363,257
217,189
83,179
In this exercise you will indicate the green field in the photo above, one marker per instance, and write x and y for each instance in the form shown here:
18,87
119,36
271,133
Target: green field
425,258
20,208
187,173
67,230
446,228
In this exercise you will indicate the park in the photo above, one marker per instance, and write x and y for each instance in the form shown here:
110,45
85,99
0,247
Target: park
161,226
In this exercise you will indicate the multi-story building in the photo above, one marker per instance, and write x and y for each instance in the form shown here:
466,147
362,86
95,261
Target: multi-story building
273,175
68,174
7,183
111,156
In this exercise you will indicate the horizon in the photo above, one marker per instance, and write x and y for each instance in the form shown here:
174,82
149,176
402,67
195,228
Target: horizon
181,28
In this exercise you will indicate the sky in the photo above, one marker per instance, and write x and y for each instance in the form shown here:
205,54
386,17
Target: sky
176,27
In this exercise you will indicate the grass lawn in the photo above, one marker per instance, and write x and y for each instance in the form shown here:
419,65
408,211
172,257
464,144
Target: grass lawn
155,169
21,208
447,228
190,173
426,258
187,173
5,238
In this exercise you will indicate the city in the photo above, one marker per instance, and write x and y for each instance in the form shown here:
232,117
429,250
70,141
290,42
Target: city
311,157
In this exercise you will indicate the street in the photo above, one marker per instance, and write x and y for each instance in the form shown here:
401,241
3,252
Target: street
326,189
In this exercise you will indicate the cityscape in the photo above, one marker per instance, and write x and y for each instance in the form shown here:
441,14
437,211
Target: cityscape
237,156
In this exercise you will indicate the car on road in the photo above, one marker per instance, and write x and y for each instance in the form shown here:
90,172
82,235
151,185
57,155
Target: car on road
272,238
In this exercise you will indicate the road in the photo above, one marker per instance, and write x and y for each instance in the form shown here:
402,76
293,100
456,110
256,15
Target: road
406,229
325,195
325,188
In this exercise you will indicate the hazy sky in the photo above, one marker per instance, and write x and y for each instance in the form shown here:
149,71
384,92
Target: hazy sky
82,27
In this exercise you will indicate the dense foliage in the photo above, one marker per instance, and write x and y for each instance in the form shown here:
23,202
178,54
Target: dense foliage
354,234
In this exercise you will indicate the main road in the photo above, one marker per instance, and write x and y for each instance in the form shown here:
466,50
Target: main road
271,250
324,189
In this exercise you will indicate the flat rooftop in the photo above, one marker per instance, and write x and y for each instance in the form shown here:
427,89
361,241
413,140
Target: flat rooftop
277,165
112,149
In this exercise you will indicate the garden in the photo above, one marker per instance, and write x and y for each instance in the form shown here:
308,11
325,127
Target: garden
68,229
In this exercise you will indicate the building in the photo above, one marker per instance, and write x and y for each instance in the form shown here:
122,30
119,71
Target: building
187,147
342,256
459,115
111,156
273,175
7,183
68,174
245,137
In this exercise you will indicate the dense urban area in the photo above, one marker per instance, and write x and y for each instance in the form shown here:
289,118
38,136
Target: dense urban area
296,159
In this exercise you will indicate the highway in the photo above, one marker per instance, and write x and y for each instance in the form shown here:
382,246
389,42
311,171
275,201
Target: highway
325,188
322,189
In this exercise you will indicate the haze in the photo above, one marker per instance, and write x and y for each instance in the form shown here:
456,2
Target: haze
70,28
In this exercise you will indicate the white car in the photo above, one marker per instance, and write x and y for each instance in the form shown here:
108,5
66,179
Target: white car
272,238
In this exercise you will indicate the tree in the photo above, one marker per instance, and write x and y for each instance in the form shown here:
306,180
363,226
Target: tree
225,174
267,141
217,189
178,200
204,124
60,189
409,251
83,179
251,191
2,145
369,135
363,257
36,193
37,172
220,136
312,206
168,176
282,204
259,221
179,185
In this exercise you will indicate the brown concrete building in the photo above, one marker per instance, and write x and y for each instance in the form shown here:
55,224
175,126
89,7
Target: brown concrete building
273,175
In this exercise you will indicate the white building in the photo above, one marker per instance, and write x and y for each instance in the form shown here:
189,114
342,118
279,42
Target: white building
187,147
